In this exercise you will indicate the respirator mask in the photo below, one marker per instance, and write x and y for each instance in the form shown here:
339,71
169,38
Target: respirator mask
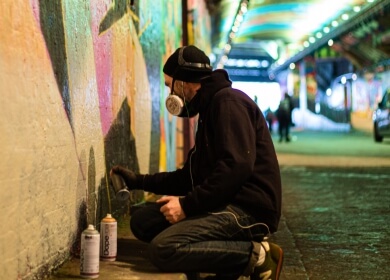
180,107
173,103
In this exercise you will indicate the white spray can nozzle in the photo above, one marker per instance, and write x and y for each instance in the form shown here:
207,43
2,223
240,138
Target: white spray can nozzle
91,227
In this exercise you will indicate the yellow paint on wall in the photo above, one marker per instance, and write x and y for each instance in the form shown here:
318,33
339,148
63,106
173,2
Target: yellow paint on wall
86,121
38,157
131,80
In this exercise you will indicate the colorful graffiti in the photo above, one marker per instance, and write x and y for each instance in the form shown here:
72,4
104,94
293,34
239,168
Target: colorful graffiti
82,90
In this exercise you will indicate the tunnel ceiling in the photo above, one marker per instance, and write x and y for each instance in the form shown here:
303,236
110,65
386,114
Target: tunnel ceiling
287,30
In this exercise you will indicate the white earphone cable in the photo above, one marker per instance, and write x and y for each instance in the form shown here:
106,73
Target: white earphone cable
241,226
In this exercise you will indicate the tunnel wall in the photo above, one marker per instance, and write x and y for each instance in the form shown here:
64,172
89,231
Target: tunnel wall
81,90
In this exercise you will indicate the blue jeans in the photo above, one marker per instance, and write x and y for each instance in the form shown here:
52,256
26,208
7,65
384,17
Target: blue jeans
211,243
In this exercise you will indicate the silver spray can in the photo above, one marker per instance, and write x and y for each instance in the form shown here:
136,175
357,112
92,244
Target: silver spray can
121,191
89,253
108,244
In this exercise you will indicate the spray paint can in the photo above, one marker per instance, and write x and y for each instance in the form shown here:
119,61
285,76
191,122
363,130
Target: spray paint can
121,191
108,229
89,253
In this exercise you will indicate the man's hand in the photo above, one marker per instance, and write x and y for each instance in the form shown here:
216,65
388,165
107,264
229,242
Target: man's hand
128,176
171,209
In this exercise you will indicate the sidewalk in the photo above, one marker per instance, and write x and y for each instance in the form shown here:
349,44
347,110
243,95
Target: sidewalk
308,149
316,148
132,263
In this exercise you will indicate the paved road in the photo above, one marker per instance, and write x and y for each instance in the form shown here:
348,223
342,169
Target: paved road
336,222
356,148
336,206
336,213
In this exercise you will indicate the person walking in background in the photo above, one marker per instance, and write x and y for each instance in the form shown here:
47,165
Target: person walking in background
283,115
222,204
269,117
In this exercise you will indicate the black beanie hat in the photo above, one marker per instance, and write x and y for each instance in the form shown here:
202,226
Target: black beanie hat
188,64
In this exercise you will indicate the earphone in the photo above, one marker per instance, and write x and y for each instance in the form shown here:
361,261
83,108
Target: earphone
241,226
184,63
192,178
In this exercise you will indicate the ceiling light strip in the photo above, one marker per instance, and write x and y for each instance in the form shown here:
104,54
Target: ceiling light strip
366,12
238,20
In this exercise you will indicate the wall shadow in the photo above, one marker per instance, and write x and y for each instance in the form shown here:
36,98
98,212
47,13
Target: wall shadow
120,149
52,25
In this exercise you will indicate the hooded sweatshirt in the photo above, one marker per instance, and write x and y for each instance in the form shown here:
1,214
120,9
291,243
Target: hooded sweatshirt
233,161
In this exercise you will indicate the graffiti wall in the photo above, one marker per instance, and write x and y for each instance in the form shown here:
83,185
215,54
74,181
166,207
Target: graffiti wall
81,89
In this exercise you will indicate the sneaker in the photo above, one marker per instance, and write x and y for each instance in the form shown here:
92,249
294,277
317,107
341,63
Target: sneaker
272,266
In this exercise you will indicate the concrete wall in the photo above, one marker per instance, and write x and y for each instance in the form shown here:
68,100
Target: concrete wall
81,90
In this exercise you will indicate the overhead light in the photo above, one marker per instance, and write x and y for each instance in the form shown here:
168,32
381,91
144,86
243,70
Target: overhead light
240,63
331,28
292,66
265,63
250,63
312,40
238,19
319,35
317,107
345,16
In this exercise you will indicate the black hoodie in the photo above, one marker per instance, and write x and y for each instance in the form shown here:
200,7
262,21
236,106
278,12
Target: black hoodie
233,160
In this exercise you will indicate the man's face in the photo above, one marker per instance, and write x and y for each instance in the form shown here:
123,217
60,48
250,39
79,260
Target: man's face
168,80
186,91
178,87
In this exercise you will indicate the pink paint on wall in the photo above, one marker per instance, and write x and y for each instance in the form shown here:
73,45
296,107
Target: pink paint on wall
102,52
35,8
36,12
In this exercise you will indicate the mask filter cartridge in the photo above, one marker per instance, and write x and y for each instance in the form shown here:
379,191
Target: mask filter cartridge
174,104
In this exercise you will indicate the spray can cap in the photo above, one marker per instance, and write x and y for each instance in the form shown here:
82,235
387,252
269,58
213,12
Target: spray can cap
109,216
91,227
